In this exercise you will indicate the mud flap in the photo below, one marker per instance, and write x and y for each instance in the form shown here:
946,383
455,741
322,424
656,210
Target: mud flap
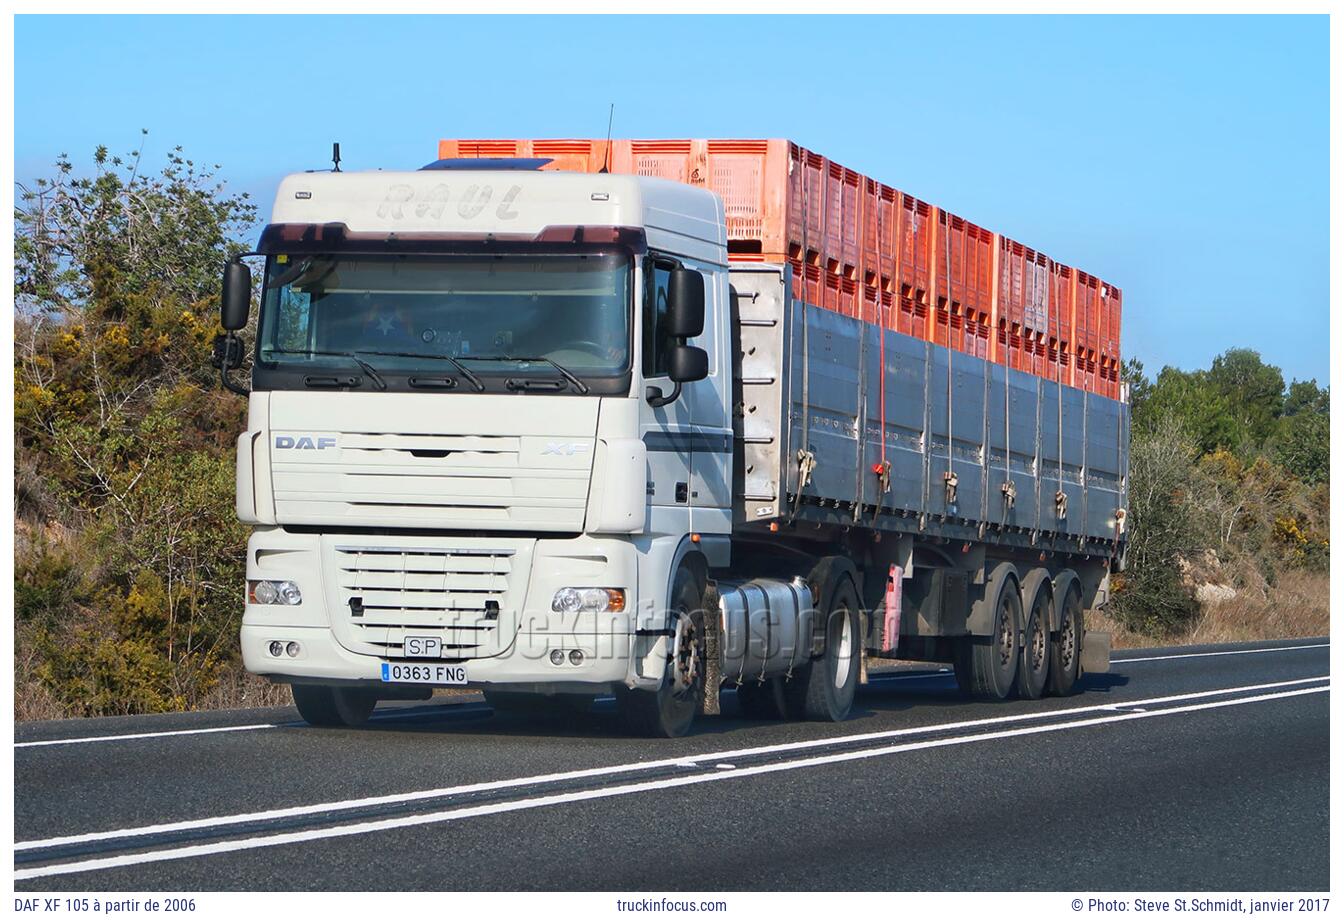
713,676
1096,652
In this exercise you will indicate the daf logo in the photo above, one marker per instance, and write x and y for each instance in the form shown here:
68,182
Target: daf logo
285,442
560,449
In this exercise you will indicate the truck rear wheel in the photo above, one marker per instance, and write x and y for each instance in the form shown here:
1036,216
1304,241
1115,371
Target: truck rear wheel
333,707
991,662
1066,651
669,711
823,690
1034,668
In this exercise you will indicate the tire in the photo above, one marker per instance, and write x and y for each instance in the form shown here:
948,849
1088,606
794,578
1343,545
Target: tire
333,707
669,711
823,691
1066,648
1034,668
993,660
762,701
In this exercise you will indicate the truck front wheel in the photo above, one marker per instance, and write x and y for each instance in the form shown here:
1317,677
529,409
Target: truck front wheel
669,711
823,691
333,707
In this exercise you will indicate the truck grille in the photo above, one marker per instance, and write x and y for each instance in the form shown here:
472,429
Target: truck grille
457,595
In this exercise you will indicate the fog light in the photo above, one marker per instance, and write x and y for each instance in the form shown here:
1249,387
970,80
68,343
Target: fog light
292,650
557,656
576,657
277,649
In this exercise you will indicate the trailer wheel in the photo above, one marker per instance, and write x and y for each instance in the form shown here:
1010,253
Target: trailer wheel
1066,651
669,711
823,691
762,701
1034,668
333,707
993,660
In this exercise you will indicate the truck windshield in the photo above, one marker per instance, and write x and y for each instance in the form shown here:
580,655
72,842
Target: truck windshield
413,311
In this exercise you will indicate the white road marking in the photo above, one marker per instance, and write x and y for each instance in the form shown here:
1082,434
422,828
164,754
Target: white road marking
139,735
390,715
393,716
712,756
368,827
1241,651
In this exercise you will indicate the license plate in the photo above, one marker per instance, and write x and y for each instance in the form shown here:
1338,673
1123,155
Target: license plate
395,672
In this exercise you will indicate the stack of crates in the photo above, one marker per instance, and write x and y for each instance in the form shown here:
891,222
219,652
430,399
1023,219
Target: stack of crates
870,251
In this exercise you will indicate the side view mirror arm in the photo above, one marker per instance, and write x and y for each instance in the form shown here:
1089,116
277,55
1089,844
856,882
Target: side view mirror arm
657,400
228,355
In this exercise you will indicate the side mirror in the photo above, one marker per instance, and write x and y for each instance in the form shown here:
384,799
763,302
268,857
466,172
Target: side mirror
236,299
686,364
685,303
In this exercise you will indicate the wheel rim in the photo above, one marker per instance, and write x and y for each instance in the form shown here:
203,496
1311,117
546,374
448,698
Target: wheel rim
844,648
1007,641
685,654
1039,645
1067,640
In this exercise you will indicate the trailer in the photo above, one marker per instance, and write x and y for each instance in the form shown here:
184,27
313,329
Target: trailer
539,432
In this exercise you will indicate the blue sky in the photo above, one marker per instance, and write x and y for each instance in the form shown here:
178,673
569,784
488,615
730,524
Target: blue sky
1185,159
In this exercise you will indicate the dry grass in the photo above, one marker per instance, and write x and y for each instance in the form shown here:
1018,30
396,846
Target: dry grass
1299,606
244,690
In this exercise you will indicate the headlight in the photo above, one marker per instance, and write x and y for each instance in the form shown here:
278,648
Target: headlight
589,600
284,593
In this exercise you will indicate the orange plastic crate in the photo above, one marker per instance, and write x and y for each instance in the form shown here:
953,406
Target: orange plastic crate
868,250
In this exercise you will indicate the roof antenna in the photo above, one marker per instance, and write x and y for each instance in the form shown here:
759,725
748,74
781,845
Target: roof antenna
606,158
336,157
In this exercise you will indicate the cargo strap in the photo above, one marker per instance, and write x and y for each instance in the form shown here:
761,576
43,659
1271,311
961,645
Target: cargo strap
806,460
949,477
883,473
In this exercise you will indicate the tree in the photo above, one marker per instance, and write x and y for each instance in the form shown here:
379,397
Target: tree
132,554
1251,391
1150,595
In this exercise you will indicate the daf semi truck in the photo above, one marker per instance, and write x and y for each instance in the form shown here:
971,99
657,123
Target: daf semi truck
532,432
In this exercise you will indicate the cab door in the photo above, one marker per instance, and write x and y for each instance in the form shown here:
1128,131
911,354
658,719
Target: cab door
666,430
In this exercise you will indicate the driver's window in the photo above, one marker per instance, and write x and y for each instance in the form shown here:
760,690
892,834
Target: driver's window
657,343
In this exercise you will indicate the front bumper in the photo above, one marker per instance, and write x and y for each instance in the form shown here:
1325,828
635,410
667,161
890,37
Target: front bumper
521,658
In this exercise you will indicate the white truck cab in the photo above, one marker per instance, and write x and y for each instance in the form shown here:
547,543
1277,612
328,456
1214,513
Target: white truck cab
477,446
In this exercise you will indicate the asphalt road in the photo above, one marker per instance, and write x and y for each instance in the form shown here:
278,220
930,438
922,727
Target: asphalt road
1196,768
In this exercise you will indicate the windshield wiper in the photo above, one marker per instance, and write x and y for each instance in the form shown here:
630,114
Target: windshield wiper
365,366
471,378
564,371
354,356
